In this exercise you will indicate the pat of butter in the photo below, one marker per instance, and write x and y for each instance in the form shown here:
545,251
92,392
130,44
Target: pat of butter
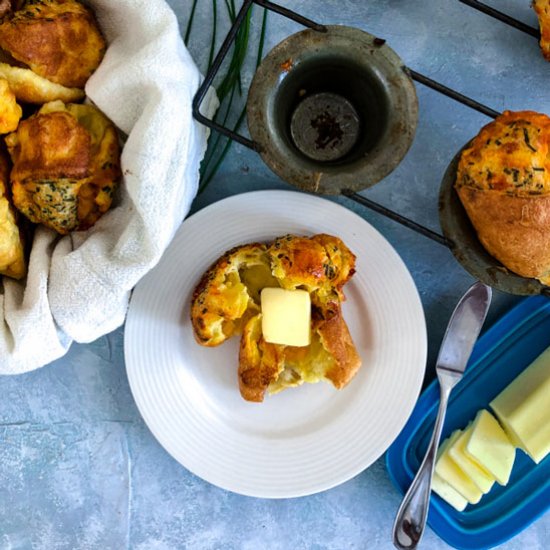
490,447
523,408
286,316
448,494
451,473
457,451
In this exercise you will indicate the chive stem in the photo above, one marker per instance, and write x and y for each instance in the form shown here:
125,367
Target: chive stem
190,22
230,85
214,30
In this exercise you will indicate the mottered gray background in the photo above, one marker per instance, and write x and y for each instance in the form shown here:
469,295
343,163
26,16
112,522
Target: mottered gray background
78,466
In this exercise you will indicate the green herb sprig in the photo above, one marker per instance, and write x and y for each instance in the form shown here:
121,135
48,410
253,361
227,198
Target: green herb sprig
230,86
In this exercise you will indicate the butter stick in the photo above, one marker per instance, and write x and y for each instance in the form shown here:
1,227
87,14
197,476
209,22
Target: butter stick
523,408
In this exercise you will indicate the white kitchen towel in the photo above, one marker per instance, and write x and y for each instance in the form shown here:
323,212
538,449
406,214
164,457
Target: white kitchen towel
78,286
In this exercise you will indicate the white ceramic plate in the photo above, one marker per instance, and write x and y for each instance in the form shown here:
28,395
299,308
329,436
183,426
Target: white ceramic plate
305,439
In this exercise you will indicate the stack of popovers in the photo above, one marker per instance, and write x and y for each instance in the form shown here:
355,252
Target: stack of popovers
66,157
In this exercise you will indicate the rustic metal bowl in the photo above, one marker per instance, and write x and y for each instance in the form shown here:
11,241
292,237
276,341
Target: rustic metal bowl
465,245
332,111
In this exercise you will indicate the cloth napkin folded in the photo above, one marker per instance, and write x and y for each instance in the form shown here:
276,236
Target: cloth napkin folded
78,286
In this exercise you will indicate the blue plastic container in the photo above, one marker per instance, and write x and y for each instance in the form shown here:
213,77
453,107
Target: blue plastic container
503,351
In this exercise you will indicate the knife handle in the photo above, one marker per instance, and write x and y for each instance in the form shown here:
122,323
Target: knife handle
410,521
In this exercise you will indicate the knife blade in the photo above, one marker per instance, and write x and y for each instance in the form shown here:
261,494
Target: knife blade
463,329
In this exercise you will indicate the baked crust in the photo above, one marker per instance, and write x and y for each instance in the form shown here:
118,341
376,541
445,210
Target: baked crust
509,155
57,39
260,363
336,340
52,145
514,230
503,183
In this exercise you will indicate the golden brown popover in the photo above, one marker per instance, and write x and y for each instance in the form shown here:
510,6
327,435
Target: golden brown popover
10,111
12,250
66,166
57,39
542,8
227,301
503,183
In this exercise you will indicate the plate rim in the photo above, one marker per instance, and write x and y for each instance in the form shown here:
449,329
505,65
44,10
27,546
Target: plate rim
414,393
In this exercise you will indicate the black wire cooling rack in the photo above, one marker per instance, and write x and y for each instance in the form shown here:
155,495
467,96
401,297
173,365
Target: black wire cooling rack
418,77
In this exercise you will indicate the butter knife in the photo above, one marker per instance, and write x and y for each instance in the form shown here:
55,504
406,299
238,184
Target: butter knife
461,334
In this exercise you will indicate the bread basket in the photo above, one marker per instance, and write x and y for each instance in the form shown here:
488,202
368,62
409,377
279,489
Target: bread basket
78,286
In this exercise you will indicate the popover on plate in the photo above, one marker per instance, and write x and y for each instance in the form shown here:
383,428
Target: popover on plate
227,301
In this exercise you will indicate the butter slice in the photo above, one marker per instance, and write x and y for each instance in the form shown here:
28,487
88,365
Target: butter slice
480,476
286,316
490,447
451,473
523,408
448,494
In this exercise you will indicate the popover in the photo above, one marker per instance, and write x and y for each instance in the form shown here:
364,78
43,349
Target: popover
57,39
12,256
227,302
66,166
503,183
